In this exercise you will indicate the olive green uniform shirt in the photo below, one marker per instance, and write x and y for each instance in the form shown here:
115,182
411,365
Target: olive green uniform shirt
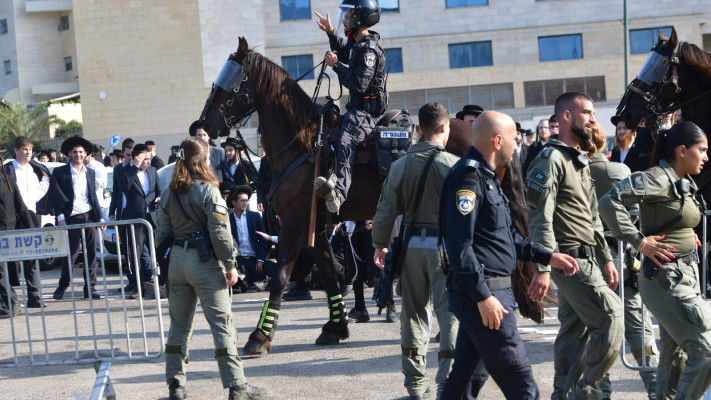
203,203
605,174
562,202
400,188
660,202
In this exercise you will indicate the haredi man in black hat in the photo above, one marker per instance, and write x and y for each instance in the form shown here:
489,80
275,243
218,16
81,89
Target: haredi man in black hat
469,113
76,141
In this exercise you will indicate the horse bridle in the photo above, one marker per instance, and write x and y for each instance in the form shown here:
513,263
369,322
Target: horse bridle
237,92
650,94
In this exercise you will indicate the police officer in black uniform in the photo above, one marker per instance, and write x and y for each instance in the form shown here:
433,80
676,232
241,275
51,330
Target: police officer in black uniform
359,62
474,209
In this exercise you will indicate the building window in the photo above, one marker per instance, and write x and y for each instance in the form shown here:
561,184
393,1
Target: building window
393,60
545,93
466,3
475,54
389,5
294,9
63,23
297,65
497,96
557,48
3,26
642,40
8,67
68,64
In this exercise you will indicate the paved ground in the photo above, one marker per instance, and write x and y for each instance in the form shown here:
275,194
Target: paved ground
366,366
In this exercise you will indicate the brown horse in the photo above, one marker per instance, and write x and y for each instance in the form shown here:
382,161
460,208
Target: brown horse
250,82
677,75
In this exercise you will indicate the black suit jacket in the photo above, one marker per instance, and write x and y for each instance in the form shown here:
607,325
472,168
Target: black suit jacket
172,158
116,206
157,162
265,181
11,205
216,158
63,175
54,195
137,201
254,224
244,170
532,152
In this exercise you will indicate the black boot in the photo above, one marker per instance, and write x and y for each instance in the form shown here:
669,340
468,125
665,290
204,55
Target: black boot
94,294
391,314
59,293
177,392
247,391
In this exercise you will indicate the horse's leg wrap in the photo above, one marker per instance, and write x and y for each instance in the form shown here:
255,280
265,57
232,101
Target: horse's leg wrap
268,319
337,308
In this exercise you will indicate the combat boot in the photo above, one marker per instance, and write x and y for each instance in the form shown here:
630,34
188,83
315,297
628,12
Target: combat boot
391,314
176,392
247,392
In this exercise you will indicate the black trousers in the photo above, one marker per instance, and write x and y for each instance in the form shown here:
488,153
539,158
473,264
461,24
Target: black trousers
481,352
75,244
30,268
4,289
137,250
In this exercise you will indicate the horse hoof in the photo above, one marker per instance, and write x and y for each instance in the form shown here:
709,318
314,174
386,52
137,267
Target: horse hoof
257,345
327,339
254,349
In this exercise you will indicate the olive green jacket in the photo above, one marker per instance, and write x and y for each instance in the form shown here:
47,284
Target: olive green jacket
660,203
400,187
202,203
562,202
605,174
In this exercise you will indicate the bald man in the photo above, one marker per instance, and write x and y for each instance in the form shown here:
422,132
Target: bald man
474,209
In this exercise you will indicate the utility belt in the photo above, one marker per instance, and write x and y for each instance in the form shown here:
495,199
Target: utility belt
651,270
198,241
493,283
584,251
373,103
423,232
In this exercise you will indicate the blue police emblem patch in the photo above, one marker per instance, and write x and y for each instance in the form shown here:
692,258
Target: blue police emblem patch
465,201
539,176
370,60
546,153
638,181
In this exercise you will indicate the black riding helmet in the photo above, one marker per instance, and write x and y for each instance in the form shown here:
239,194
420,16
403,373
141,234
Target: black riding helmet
355,13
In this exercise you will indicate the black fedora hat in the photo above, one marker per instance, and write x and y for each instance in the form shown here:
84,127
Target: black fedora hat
615,119
237,190
76,141
193,128
528,132
225,188
518,128
230,141
470,109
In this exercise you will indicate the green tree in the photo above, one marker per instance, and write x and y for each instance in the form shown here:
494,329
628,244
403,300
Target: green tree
70,128
31,121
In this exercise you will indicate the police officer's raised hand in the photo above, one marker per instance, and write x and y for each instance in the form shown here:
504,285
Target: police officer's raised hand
492,312
539,286
331,58
611,271
652,248
379,258
564,262
324,23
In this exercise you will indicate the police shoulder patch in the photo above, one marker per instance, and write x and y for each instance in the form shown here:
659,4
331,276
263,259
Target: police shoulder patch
370,59
472,164
539,176
638,181
465,201
546,153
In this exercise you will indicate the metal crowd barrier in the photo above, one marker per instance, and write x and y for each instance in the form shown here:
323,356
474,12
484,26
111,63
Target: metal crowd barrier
621,288
103,329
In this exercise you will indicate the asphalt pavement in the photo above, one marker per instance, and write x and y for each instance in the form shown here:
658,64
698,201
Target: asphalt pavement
365,366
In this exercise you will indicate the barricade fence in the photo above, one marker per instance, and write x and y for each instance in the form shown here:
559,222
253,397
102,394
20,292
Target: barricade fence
78,330
703,256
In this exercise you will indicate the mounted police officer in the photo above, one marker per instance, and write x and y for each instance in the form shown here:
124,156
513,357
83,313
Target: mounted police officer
359,62
482,247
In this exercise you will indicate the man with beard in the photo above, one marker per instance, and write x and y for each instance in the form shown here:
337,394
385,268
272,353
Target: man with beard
563,213
234,172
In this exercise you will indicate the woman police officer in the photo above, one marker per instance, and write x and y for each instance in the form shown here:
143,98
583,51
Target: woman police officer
202,265
669,284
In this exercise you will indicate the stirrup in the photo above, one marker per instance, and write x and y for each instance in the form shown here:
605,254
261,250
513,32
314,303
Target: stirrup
325,186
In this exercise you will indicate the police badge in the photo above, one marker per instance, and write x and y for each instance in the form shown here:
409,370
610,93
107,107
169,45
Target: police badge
465,201
370,60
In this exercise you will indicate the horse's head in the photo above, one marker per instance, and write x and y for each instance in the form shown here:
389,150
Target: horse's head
230,101
655,90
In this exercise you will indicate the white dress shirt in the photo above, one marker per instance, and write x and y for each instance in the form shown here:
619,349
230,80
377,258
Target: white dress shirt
101,180
81,192
31,188
145,183
245,246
